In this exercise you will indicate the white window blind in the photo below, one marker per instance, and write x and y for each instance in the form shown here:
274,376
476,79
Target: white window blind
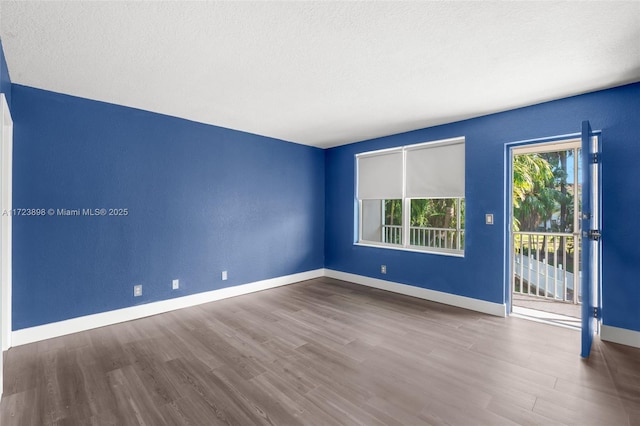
380,175
435,170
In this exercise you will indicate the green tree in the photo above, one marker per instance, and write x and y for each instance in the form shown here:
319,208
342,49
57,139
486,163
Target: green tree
534,195
435,213
393,212
541,191
564,193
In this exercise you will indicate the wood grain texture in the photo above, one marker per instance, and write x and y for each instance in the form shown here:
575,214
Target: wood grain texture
321,352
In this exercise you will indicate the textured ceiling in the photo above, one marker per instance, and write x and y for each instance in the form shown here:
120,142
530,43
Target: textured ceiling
322,73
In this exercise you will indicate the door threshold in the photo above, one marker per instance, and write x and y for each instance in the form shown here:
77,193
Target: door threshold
546,317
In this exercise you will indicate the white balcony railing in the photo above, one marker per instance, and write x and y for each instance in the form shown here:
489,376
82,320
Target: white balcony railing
441,238
544,266
392,234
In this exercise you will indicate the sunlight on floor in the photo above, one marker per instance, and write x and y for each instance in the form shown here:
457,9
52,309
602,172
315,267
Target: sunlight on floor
546,317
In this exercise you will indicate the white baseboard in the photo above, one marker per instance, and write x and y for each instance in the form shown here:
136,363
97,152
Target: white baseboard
620,335
477,305
75,325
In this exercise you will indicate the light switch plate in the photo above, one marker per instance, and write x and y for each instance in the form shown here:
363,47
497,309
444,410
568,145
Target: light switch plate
488,218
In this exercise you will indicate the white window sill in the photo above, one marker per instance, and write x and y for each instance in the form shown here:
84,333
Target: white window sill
425,250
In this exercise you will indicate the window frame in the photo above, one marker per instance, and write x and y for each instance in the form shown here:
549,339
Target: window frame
406,205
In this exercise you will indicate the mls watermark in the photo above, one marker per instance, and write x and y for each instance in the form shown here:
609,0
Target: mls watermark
66,212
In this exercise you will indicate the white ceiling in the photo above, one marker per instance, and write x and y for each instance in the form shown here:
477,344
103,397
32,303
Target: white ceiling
322,73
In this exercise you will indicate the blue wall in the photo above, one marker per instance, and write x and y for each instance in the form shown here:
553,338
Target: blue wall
5,81
480,273
201,199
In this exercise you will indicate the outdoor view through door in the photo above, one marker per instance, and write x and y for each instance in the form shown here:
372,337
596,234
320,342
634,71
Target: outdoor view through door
546,237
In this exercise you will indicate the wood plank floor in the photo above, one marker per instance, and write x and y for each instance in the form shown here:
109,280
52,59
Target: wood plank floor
321,352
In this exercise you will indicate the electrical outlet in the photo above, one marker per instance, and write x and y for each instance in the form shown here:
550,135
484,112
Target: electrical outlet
175,284
383,269
137,290
224,275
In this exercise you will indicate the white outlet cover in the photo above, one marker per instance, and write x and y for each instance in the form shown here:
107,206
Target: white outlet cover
137,290
224,275
175,284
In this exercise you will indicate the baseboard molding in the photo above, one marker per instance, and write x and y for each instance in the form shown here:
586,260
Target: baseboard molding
620,335
75,325
477,305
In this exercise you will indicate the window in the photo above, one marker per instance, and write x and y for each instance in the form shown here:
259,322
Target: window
413,197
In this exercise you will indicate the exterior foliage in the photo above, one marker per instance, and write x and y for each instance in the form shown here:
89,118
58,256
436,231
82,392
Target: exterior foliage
542,195
428,213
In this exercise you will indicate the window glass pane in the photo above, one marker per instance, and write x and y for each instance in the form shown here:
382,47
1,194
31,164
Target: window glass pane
382,221
437,223
392,222
371,220
435,212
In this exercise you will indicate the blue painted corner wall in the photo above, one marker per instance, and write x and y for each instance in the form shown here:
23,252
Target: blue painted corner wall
5,80
200,199
480,274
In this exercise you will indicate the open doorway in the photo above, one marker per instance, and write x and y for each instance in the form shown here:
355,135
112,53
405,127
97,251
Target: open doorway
546,232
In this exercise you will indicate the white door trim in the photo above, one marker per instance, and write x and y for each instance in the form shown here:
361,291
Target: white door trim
6,180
